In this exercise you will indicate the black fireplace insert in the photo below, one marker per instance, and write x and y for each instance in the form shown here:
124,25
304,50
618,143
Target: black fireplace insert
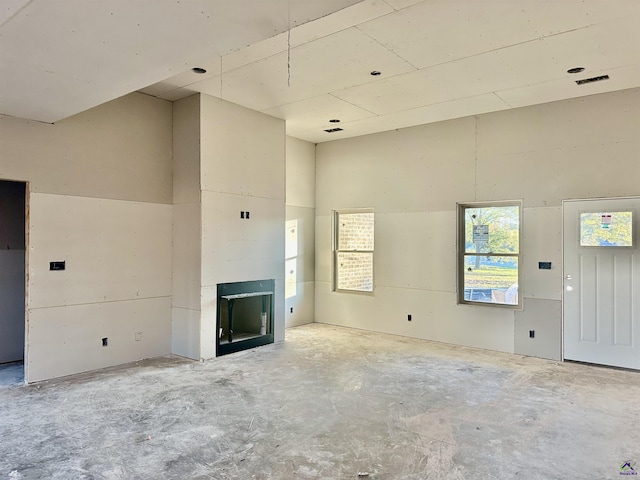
245,315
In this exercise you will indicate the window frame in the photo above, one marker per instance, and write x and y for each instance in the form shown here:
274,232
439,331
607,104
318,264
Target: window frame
335,215
461,253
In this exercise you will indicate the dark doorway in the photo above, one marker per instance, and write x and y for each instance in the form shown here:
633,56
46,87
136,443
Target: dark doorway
12,271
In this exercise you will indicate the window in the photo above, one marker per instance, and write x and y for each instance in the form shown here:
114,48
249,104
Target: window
606,229
489,253
353,250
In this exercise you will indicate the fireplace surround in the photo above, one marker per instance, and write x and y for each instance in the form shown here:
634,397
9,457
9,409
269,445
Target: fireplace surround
244,315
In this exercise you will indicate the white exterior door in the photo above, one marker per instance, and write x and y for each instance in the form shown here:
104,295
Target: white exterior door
601,299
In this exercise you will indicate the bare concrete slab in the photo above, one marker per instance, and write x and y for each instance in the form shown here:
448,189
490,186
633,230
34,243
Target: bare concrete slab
329,403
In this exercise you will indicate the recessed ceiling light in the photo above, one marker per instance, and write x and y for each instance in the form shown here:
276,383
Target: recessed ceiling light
198,70
575,70
375,73
334,120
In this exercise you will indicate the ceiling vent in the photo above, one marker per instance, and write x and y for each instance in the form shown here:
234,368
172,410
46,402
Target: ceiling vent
592,79
331,130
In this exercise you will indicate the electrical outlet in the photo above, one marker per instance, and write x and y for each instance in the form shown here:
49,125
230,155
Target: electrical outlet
105,342
409,317
138,336
532,334
55,266
291,310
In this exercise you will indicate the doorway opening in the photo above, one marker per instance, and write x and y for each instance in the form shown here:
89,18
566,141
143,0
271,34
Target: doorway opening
13,242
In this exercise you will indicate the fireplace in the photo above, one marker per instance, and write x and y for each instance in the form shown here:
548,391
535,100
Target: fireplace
244,315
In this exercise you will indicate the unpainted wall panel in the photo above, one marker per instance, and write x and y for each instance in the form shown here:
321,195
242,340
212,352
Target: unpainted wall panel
421,247
67,340
186,150
542,242
299,244
114,250
546,177
185,332
186,255
118,150
242,151
544,318
208,319
590,121
412,170
435,316
301,173
236,249
299,303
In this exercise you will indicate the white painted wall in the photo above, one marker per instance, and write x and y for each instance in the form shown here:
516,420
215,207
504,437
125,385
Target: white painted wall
242,169
579,148
101,194
300,232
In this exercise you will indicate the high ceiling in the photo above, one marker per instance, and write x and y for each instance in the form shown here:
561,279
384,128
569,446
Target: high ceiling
296,60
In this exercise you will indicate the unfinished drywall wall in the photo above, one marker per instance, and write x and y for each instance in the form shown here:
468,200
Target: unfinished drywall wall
185,322
580,148
12,270
100,199
300,232
227,160
242,169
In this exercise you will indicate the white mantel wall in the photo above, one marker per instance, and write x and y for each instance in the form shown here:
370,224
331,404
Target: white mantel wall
580,148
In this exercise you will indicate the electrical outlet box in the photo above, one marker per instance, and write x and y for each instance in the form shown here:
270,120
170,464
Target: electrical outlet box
544,265
138,336
409,317
54,266
532,334
105,342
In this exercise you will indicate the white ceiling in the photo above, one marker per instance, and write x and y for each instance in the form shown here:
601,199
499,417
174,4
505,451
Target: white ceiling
440,59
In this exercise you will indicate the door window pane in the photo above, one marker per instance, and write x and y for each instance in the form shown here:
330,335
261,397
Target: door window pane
606,229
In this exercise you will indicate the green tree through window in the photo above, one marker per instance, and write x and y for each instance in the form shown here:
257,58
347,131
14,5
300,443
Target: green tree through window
489,253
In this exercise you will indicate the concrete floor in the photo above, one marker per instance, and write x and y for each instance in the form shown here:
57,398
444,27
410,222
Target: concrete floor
329,403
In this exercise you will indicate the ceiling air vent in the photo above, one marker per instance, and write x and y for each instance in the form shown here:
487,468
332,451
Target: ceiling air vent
331,130
592,79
